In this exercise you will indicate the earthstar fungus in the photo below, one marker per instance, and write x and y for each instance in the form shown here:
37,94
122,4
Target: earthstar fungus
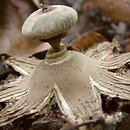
74,79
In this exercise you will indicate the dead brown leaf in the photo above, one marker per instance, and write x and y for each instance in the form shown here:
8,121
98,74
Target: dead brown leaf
117,9
83,42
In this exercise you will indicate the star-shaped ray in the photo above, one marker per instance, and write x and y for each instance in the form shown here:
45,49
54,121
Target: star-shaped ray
76,87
